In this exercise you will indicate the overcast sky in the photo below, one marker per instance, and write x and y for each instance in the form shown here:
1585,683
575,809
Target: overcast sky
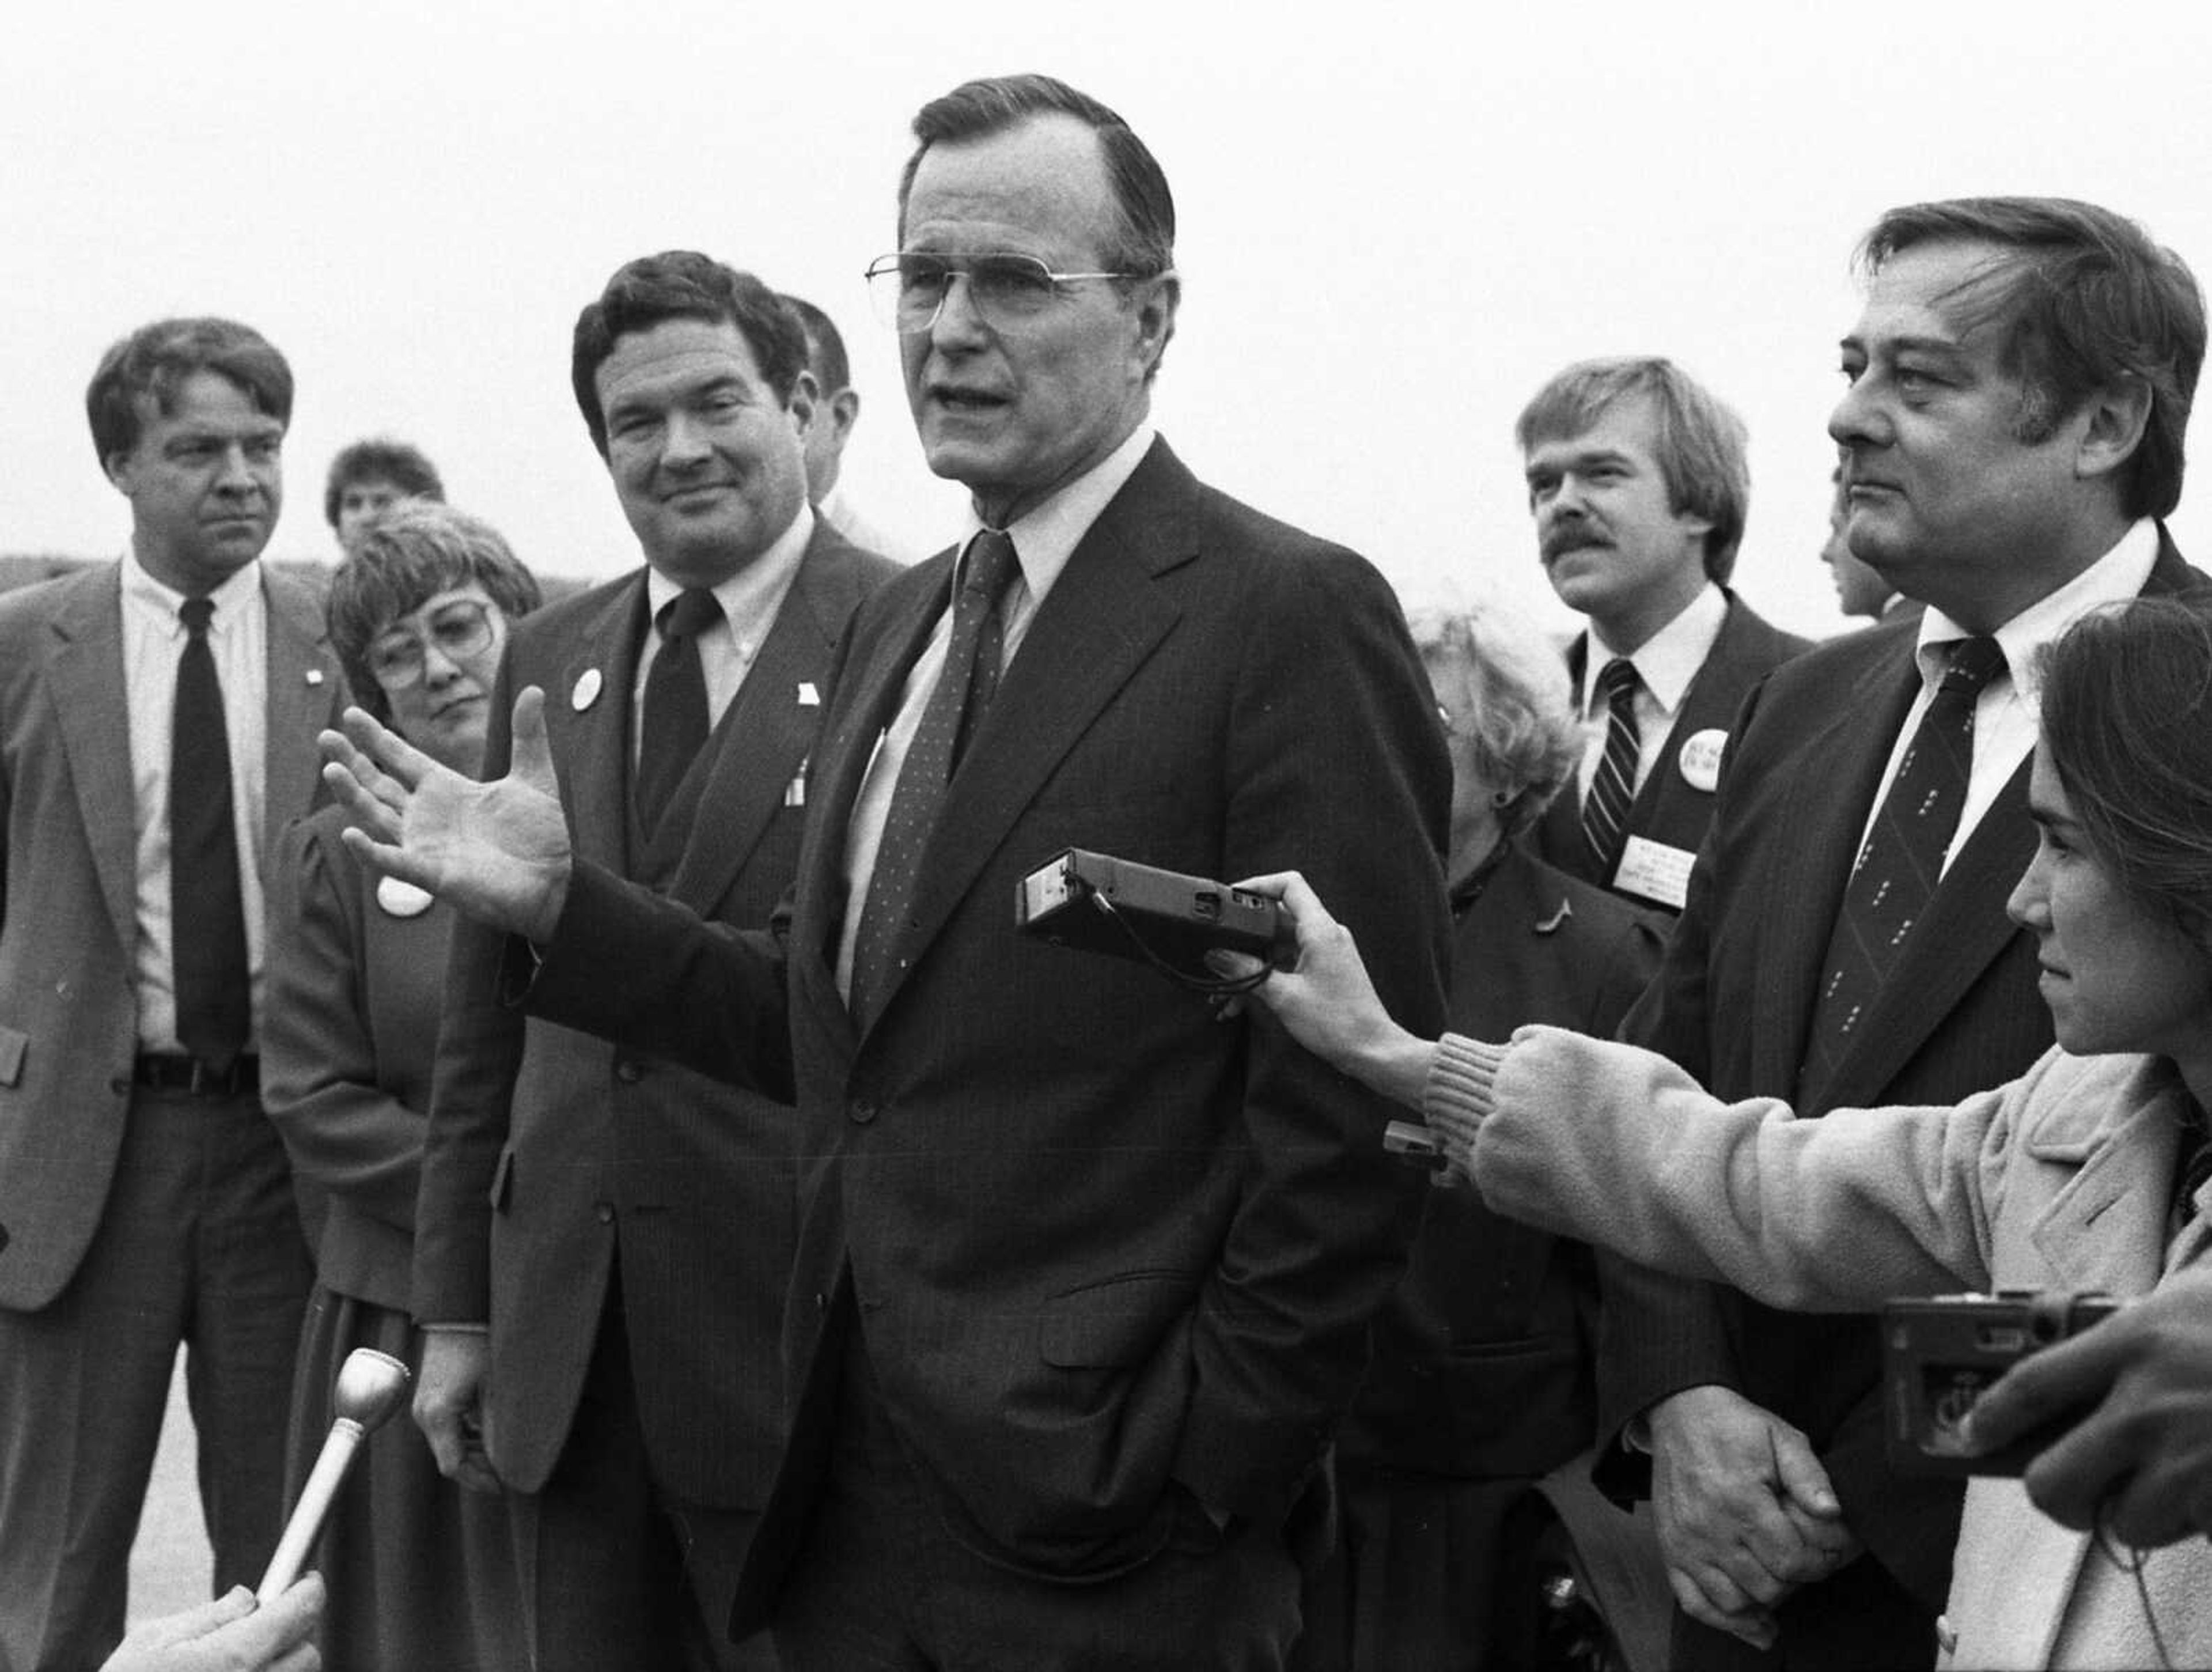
1396,222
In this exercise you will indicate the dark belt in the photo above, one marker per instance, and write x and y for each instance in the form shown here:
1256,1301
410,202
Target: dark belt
173,1071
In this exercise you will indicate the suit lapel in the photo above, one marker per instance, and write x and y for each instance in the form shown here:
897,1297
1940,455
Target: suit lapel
302,698
1840,769
592,747
1102,620
92,706
762,742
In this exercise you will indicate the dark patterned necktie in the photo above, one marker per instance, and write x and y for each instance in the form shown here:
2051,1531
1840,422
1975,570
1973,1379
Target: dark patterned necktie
1899,867
963,690
1605,809
207,904
676,723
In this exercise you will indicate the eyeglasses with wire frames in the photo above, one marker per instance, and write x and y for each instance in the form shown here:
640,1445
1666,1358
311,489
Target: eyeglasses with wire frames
461,627
1006,290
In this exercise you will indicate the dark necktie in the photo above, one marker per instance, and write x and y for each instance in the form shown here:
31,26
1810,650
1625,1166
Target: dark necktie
207,905
1605,809
1899,867
676,725
963,691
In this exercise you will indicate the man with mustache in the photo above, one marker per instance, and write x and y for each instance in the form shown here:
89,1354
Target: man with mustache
603,1237
157,730
2019,382
1638,483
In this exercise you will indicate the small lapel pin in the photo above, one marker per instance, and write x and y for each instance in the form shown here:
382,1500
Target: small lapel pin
314,676
1700,759
586,691
402,899
809,697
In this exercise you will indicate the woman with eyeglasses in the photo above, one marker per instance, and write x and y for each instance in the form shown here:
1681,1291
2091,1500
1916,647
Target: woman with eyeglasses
2086,1173
418,1570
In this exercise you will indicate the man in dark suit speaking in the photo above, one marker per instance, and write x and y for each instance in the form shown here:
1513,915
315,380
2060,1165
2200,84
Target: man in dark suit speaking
1084,1276
2019,382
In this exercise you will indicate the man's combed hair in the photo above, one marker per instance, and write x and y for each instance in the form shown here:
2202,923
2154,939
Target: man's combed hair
2086,301
157,360
2125,693
381,459
406,557
1145,243
1701,446
825,346
683,284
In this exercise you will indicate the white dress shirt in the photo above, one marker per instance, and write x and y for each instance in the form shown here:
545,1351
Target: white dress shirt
1665,664
750,599
1044,538
2009,710
154,637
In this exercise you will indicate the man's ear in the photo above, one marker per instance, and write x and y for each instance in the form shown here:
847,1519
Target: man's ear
1156,319
2117,416
117,468
843,411
804,404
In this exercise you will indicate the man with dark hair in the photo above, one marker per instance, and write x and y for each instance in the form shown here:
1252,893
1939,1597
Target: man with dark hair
157,726
603,1237
837,409
1085,1275
1639,486
368,478
2020,381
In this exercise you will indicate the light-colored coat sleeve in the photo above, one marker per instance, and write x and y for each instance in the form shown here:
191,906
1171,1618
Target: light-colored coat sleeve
1615,1145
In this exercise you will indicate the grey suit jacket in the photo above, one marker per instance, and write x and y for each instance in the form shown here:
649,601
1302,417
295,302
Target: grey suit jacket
69,1021
548,1148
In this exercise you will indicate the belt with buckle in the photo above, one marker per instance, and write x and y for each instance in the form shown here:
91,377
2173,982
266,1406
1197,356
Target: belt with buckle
175,1071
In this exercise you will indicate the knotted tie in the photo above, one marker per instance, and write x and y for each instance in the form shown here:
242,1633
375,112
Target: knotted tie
1899,867
207,904
1605,809
676,724
963,690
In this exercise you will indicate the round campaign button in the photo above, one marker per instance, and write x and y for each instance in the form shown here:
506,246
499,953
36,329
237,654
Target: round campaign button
401,899
1700,759
586,691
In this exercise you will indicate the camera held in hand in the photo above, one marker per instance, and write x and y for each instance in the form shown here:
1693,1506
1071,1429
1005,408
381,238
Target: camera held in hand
1940,1352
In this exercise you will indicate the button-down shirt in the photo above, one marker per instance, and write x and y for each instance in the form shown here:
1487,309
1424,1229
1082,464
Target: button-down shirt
1665,664
2009,710
154,637
750,599
1044,538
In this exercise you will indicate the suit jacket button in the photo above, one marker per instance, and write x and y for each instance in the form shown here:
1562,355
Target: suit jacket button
630,1070
821,1300
605,1212
863,1110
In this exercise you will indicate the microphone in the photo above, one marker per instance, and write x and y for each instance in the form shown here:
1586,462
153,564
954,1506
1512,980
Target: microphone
370,1387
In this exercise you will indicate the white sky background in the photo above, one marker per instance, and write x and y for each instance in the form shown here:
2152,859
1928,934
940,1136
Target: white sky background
1396,222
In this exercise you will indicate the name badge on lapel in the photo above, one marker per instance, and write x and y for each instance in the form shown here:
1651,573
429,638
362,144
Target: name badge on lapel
1655,871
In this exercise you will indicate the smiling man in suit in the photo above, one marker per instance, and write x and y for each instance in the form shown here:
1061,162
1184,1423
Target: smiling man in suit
604,1237
2019,382
1085,1275
157,724
1640,487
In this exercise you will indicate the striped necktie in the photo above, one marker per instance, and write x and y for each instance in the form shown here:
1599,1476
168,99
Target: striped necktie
1605,809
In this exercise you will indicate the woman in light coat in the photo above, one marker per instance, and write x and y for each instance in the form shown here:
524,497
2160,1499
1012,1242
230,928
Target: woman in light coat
2071,1177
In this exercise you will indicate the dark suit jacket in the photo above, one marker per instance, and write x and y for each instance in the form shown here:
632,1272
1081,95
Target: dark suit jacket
548,1147
1097,1242
69,919
1669,808
1482,1360
1732,1004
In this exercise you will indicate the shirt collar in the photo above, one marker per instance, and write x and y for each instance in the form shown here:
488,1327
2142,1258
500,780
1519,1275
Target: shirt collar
1046,536
2114,578
160,601
1670,658
754,593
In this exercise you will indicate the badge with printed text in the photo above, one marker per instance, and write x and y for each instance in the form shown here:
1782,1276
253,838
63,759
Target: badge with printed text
1654,871
586,691
1700,759
314,676
401,899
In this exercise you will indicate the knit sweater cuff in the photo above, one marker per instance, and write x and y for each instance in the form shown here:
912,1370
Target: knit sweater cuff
1462,1080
